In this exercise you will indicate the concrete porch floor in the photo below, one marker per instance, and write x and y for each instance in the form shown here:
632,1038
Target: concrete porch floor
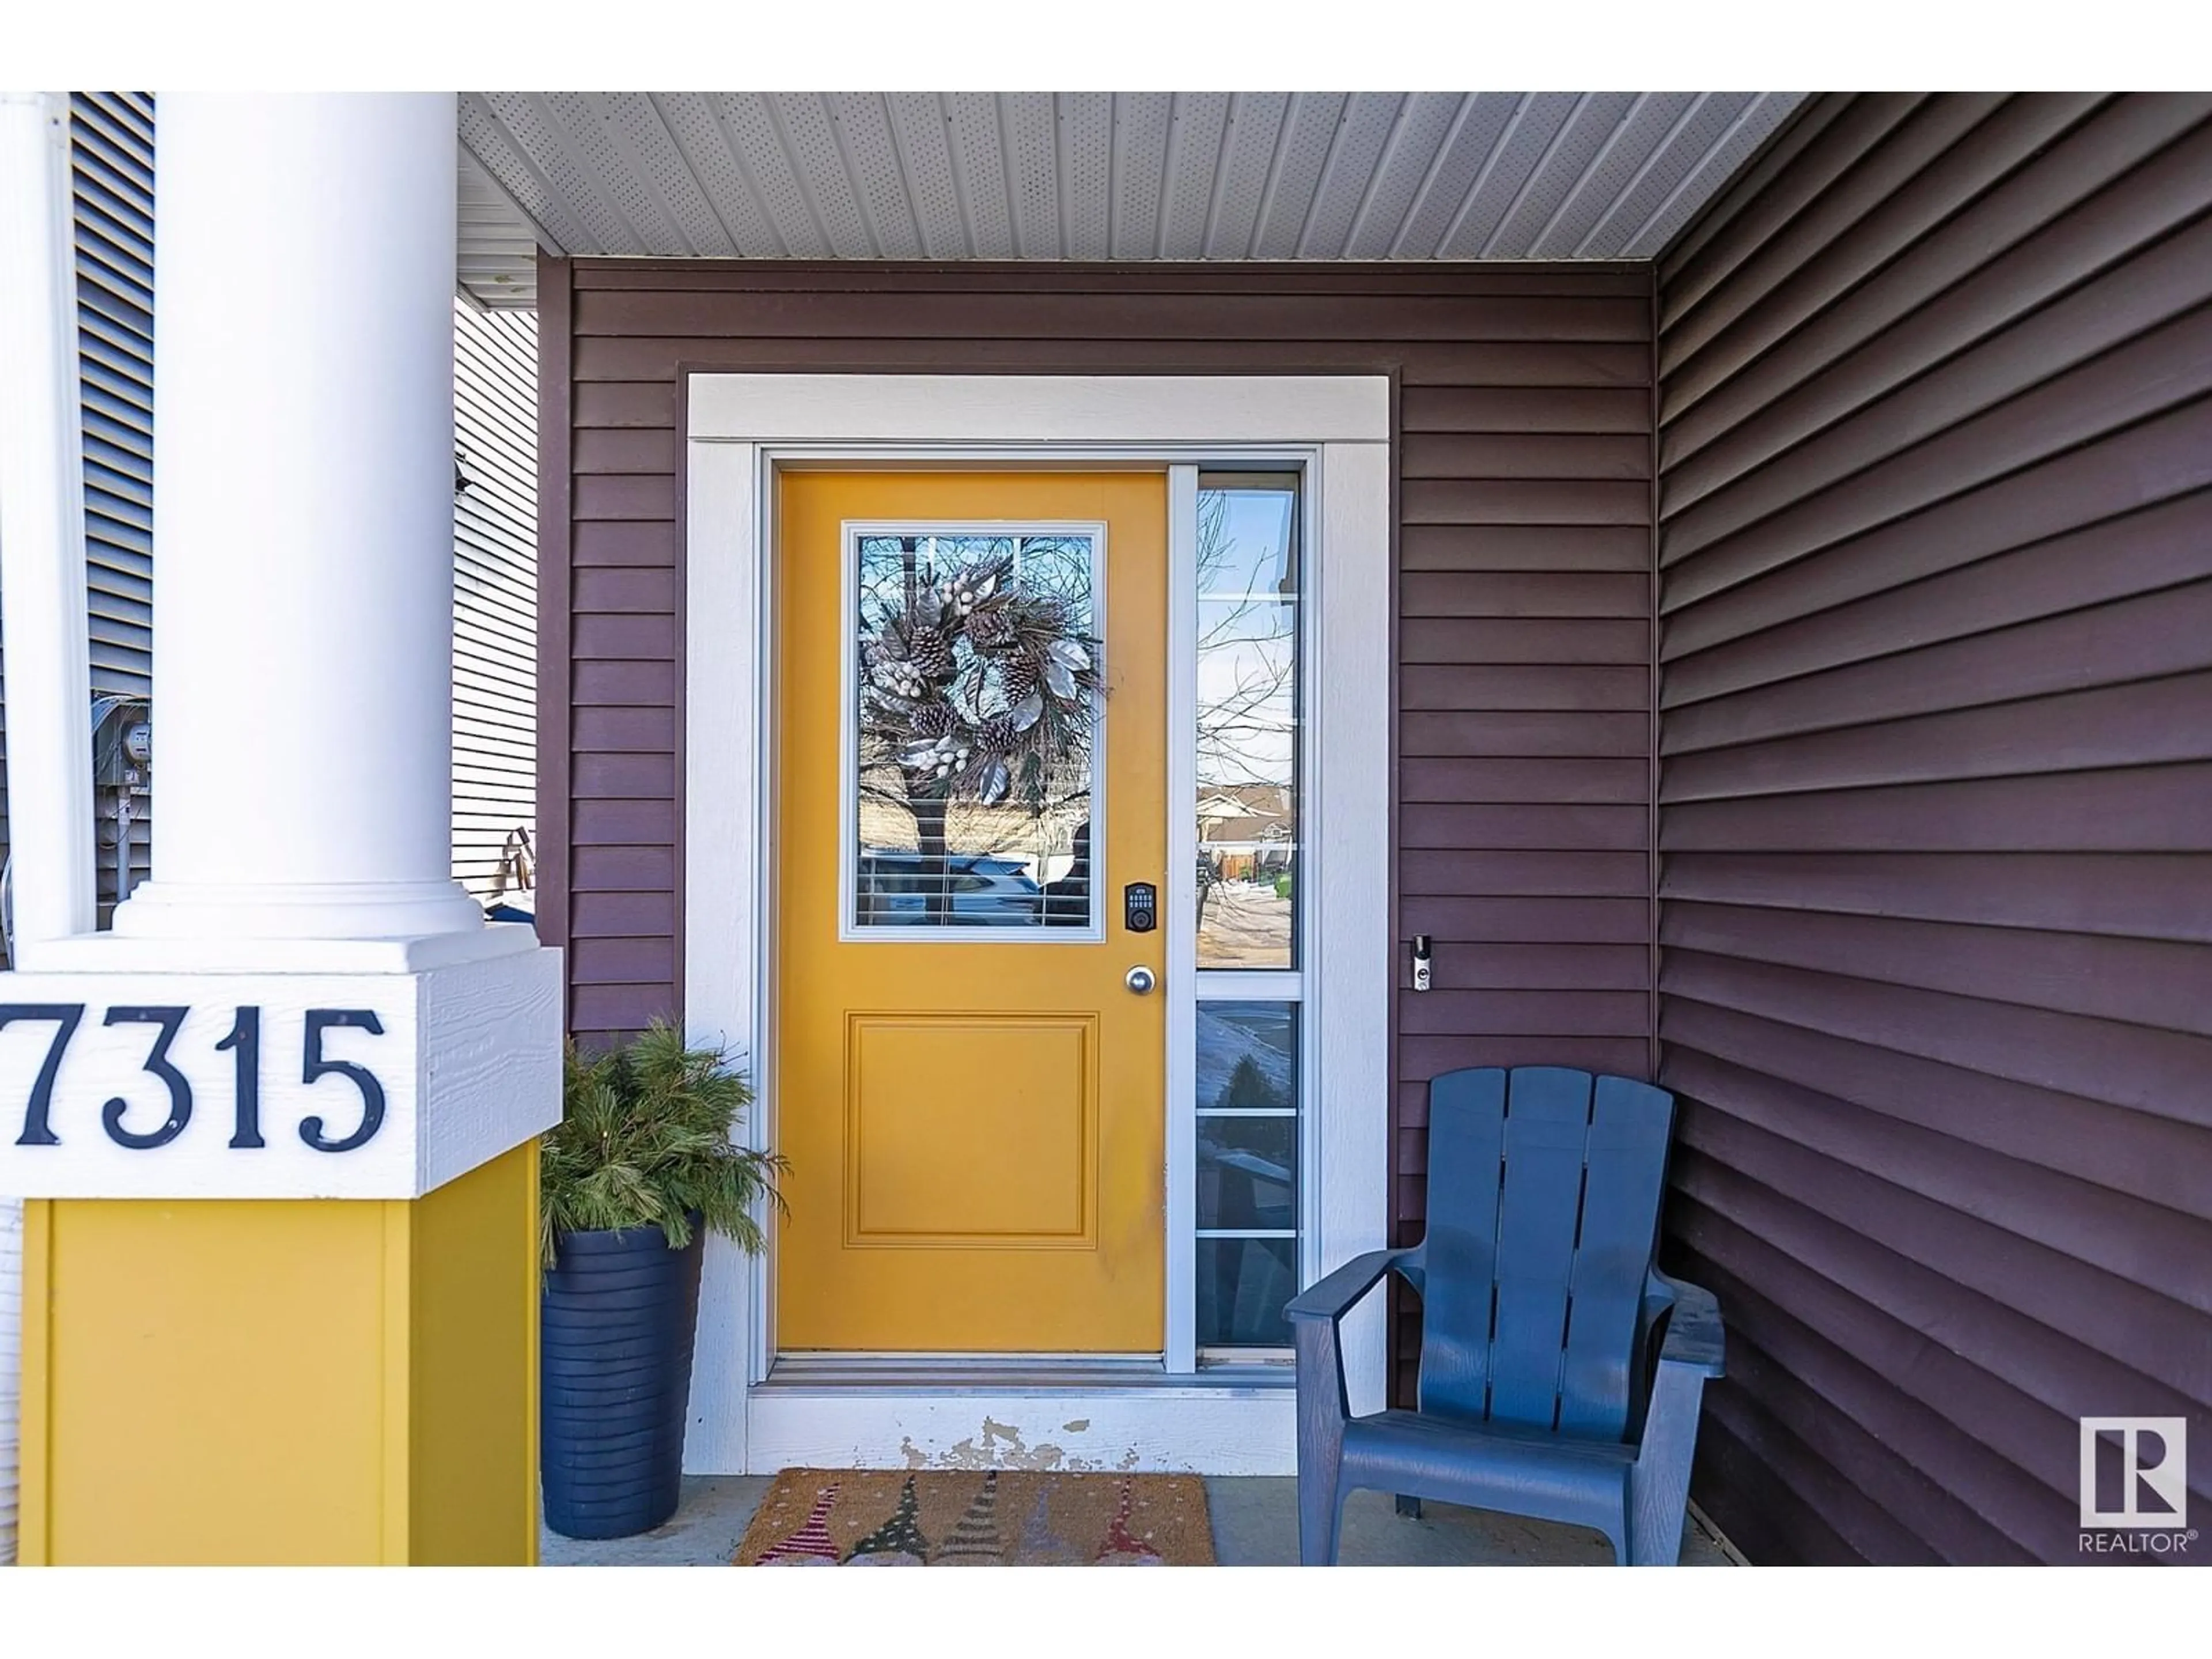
1255,1524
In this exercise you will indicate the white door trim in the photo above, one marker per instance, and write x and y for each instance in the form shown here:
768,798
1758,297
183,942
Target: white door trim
741,428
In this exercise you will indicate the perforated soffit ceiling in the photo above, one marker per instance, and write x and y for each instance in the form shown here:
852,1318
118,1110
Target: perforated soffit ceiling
1124,175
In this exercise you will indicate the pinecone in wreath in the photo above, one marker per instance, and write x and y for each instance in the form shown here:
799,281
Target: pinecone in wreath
990,629
1019,678
931,720
930,653
997,735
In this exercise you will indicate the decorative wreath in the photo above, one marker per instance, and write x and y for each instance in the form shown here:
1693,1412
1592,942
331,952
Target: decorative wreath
978,692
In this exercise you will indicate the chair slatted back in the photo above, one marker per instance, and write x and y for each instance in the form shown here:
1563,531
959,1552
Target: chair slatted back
1544,1193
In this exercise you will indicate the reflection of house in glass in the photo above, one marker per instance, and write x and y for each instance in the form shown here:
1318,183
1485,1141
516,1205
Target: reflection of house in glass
1043,849
1247,830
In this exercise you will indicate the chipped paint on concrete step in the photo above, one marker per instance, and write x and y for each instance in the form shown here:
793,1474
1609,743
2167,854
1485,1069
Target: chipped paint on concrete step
1162,1430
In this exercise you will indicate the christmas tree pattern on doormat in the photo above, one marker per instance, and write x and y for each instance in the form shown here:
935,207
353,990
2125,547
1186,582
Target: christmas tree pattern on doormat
1123,1548
975,1540
1041,1546
811,1544
898,1542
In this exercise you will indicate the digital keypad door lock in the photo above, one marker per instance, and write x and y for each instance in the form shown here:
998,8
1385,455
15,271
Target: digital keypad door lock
1420,962
1140,907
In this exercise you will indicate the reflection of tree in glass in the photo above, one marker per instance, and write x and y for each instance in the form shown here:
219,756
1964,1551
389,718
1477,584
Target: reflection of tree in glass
980,675
1247,1089
1247,639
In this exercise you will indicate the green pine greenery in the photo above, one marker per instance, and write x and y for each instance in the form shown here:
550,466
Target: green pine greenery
645,1141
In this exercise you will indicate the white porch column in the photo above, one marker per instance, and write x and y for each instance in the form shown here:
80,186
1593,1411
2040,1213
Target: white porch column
303,519
301,1024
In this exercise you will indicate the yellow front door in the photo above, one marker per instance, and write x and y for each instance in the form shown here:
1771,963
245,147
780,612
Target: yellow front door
972,774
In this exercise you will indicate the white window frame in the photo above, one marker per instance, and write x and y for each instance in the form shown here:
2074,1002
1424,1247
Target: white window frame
742,430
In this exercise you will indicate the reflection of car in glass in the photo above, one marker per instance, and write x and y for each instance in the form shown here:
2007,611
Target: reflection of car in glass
895,890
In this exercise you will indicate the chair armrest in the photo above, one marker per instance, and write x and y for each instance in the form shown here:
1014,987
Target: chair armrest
1694,1337
1335,1296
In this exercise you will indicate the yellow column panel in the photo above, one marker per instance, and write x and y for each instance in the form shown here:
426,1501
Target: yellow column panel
472,1440
284,1382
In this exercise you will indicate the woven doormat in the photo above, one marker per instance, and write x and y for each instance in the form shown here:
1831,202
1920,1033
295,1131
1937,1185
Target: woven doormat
980,1518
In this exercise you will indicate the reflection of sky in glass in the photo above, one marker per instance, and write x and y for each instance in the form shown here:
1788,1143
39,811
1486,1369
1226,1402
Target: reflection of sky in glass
1247,637
1246,1073
1251,553
1263,1037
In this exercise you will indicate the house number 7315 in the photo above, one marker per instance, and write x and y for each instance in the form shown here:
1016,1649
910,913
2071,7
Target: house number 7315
242,1044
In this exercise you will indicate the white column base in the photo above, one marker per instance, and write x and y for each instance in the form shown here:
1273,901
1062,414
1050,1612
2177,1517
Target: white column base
382,1081
333,910
107,953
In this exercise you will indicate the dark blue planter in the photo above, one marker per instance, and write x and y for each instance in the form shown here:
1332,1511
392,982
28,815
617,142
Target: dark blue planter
616,1327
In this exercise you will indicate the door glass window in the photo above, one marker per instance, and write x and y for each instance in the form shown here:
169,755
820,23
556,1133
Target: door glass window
975,727
1248,719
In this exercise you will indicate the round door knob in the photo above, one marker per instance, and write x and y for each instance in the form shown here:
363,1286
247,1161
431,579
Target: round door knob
1140,979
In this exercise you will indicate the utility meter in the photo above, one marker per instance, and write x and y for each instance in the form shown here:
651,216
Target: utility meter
121,779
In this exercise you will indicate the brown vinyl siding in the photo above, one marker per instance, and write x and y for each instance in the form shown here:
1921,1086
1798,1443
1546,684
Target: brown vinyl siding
1523,583
1935,889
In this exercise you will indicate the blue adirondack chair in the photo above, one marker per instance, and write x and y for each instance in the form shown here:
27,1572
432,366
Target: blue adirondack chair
1540,1393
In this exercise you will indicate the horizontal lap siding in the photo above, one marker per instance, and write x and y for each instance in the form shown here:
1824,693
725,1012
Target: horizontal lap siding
1524,625
1936,822
111,173
494,589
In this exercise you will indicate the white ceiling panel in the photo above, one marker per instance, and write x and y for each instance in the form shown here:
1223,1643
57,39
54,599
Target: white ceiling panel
1085,137
925,161
1141,125
1443,195
1193,167
1565,166
702,149
1417,136
751,132
1300,157
1248,154
1526,142
979,163
1309,175
826,173
1368,119
1033,158
1627,146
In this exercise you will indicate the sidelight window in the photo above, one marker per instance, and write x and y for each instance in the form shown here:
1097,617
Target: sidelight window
1247,740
